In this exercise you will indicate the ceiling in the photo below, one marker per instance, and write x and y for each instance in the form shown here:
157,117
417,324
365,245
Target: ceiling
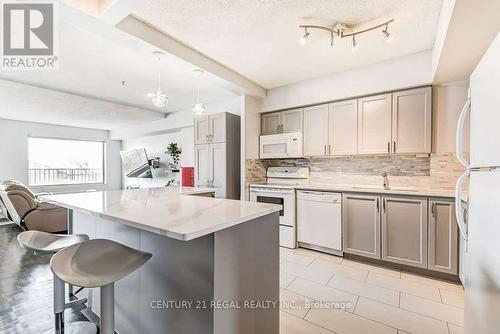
99,61
259,39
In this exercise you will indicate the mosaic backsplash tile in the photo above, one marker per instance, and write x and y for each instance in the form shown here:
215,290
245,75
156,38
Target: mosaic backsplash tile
400,165
434,171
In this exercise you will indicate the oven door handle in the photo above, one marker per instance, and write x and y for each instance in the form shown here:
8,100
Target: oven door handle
270,192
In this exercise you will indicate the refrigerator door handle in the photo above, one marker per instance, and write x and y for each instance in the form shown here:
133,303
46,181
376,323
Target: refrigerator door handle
458,205
460,133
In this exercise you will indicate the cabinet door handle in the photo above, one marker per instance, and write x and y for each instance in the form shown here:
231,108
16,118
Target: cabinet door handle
325,149
383,203
388,147
394,146
329,149
206,137
378,204
433,210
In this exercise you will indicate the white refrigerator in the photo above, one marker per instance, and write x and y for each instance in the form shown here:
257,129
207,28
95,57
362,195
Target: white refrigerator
481,232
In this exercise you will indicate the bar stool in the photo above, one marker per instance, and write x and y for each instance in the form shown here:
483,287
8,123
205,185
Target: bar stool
98,263
42,243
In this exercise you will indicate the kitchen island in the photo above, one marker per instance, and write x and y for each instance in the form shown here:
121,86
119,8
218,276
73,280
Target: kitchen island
215,264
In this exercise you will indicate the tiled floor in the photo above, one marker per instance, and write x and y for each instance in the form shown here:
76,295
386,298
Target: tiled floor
323,294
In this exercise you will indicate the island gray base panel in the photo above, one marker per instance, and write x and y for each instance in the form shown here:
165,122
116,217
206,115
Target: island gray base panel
239,264
247,270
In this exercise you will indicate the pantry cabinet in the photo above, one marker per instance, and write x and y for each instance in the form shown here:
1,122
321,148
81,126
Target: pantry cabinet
374,124
443,236
411,121
216,157
316,131
361,224
343,128
282,122
404,230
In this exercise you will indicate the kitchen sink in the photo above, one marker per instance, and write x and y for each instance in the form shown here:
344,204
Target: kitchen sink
368,187
378,188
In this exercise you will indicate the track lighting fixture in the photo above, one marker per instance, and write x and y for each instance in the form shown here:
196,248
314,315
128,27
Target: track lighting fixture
388,37
344,30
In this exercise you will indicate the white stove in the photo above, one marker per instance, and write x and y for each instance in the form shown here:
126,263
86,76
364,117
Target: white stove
280,189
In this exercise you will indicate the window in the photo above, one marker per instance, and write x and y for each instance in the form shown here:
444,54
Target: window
63,161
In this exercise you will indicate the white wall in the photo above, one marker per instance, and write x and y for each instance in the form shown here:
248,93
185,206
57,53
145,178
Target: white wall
174,121
409,71
155,147
14,152
155,136
448,100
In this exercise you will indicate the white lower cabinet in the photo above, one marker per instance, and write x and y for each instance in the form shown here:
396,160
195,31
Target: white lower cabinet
404,230
443,236
415,231
361,224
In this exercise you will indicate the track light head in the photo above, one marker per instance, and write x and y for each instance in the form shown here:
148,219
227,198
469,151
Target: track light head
354,44
388,37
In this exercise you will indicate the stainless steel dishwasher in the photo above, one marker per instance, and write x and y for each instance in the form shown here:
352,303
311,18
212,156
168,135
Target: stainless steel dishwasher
319,220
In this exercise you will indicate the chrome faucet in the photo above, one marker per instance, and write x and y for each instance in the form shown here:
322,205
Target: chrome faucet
386,180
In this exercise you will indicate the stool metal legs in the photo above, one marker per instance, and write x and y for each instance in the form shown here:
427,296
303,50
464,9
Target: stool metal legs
59,305
107,309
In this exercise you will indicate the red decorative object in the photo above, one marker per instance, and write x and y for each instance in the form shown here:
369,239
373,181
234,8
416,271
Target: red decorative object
187,176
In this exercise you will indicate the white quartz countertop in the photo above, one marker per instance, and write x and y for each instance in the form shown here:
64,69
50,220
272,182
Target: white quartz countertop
396,190
166,211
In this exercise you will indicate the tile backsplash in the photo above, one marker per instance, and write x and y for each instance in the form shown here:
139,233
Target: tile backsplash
436,171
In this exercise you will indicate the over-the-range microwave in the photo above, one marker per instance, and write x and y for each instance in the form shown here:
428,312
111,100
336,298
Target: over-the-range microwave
284,145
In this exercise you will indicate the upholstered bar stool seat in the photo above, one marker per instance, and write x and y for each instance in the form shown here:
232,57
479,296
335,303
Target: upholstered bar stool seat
48,243
98,263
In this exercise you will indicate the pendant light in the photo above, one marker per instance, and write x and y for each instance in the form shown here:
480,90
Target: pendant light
159,98
198,107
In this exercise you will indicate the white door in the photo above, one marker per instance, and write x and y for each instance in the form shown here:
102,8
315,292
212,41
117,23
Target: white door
343,128
271,123
411,121
374,124
291,120
218,169
202,165
316,131
217,128
482,265
201,130
485,109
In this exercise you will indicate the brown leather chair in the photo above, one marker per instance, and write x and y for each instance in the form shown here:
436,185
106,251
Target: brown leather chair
26,210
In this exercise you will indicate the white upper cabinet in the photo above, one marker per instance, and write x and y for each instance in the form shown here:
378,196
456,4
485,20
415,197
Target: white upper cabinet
291,120
316,131
282,122
411,121
271,123
374,124
202,171
217,123
201,130
343,128
210,129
